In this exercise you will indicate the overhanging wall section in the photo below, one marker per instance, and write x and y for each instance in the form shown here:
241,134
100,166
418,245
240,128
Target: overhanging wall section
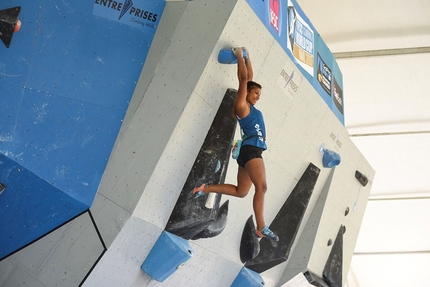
297,119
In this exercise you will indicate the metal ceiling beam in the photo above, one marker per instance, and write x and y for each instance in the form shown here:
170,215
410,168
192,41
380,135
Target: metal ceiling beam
392,252
384,52
398,198
390,133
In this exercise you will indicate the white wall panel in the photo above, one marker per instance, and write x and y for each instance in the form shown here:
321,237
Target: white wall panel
165,184
120,266
298,122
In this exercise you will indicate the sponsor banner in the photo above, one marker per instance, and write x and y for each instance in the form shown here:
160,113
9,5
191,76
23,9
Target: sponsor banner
338,105
323,74
141,14
289,25
323,71
300,40
274,13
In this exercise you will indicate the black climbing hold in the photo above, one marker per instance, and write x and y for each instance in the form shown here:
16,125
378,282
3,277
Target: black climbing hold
249,246
314,279
332,272
190,217
286,223
217,226
361,178
2,187
8,21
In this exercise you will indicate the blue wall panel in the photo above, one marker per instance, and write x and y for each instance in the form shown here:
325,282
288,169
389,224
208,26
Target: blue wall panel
84,57
65,84
66,142
30,207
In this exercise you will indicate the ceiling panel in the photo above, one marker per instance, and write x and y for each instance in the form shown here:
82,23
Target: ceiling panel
370,25
387,114
390,226
401,164
387,94
407,270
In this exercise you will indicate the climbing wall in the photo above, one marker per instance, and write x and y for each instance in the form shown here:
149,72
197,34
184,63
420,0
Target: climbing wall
298,123
66,81
149,127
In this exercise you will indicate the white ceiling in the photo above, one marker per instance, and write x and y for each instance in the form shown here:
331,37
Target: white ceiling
383,50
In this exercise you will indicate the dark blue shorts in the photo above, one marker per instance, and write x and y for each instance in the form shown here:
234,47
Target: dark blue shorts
248,152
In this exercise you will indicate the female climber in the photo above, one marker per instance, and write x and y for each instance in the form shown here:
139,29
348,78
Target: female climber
251,165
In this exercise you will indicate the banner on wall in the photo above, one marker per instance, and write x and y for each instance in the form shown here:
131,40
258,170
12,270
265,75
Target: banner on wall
323,80
141,14
300,40
289,25
337,92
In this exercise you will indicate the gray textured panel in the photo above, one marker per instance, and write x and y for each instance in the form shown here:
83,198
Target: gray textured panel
21,278
109,217
73,257
33,256
171,15
62,257
6,268
302,252
139,150
123,268
207,21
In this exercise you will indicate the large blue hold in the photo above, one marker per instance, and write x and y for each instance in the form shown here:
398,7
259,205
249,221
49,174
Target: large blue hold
248,278
330,158
226,56
168,253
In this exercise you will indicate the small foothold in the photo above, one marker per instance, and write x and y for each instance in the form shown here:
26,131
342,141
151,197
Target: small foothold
17,26
2,187
361,178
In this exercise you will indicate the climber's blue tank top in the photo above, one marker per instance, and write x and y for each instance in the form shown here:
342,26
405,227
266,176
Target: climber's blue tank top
252,129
